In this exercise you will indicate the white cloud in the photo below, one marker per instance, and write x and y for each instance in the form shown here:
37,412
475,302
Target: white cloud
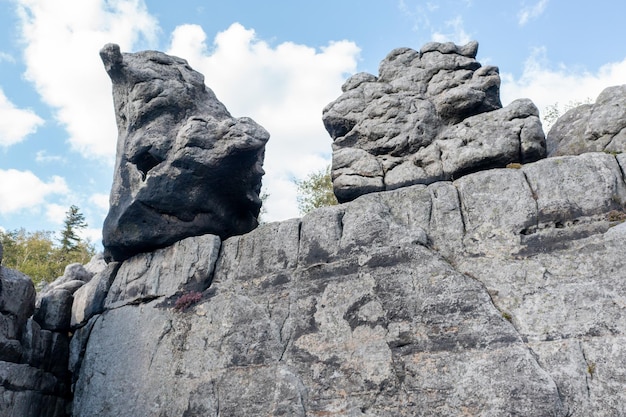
24,190
283,88
92,235
531,12
546,86
101,201
15,123
456,32
62,39
55,213
43,157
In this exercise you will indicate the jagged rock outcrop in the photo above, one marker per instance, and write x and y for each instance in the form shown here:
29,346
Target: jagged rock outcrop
185,166
34,377
429,116
596,127
496,294
499,293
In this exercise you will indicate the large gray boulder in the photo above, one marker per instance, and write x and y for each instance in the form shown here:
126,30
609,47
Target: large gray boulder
185,166
497,294
430,115
596,127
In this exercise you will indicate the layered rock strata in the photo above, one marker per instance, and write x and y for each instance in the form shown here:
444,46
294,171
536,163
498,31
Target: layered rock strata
430,115
185,166
496,294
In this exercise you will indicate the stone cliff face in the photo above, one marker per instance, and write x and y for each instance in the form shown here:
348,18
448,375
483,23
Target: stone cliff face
498,293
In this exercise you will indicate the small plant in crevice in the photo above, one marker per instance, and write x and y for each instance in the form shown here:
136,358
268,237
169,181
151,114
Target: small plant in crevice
186,300
514,165
591,368
507,316
616,216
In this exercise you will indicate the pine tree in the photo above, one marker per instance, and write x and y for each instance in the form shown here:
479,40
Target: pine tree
74,221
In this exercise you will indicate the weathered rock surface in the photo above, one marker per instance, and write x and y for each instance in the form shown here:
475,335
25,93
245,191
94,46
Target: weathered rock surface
185,167
429,116
497,294
34,380
596,127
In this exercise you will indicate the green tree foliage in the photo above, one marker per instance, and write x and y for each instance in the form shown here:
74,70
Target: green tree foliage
74,220
316,190
37,255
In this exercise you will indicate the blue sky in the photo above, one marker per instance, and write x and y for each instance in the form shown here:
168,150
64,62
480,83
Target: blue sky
279,62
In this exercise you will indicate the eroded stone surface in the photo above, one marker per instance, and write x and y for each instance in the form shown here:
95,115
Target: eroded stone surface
33,361
188,264
596,127
185,166
496,294
429,116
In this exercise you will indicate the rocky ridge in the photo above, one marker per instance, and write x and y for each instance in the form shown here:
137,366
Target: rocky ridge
497,293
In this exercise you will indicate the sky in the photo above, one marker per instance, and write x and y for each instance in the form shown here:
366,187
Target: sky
279,62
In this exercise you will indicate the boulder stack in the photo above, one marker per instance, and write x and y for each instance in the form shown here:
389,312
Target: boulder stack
430,115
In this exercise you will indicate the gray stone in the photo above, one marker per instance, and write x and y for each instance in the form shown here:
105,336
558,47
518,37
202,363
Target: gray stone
77,348
96,264
74,276
55,310
89,299
17,295
496,294
185,166
186,265
429,116
45,349
596,127
29,392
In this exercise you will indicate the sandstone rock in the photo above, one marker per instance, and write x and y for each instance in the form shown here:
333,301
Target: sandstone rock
96,264
430,115
188,264
185,166
89,299
17,295
596,127
54,311
29,392
74,276
496,294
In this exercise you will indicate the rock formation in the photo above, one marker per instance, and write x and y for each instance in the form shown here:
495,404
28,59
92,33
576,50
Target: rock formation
596,127
496,294
184,166
429,116
34,343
